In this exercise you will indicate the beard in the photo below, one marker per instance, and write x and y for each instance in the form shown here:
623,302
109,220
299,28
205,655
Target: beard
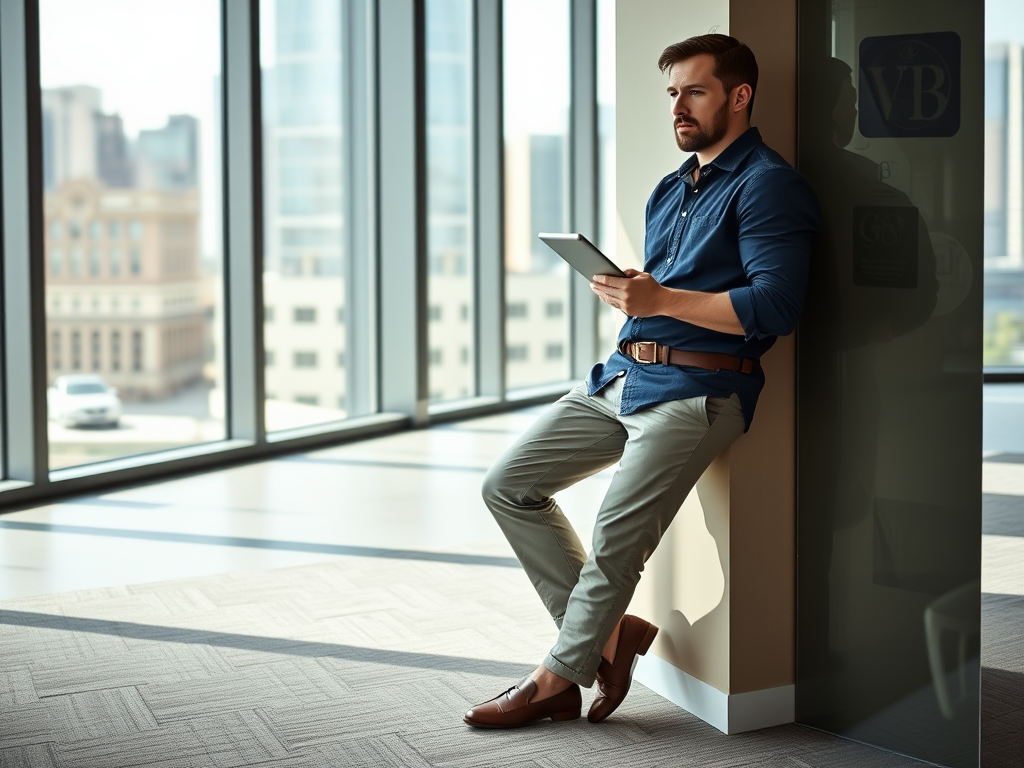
703,137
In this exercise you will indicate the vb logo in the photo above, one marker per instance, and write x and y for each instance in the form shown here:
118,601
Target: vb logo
909,85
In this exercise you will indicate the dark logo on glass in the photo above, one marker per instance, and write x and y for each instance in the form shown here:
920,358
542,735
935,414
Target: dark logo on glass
885,246
910,85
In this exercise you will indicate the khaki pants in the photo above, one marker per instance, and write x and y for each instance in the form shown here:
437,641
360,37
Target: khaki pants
661,450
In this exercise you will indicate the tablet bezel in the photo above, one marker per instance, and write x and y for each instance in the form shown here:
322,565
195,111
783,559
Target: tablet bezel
581,254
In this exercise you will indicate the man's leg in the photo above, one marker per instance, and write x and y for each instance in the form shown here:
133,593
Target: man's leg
669,447
575,438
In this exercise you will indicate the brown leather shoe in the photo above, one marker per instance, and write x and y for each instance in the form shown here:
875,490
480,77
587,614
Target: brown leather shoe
513,708
613,680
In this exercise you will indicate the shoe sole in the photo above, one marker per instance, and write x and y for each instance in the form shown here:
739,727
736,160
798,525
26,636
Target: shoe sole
558,717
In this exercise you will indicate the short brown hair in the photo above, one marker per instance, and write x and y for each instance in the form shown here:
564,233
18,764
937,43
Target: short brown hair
734,62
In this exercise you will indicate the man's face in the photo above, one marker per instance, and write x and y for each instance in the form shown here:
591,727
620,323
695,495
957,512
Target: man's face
700,105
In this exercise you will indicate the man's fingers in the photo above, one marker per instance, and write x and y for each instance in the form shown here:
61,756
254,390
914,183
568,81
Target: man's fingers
609,280
606,297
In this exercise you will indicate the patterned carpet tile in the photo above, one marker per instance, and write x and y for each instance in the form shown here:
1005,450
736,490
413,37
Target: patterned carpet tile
31,756
286,669
242,738
26,725
95,714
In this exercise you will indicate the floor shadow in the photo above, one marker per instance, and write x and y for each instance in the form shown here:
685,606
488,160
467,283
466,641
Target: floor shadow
313,547
339,461
1004,458
257,644
1002,514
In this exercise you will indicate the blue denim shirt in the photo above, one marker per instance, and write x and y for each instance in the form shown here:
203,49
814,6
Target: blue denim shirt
744,227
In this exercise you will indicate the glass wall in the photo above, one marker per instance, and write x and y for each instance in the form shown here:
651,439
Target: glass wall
305,183
536,82
451,309
1004,186
132,208
890,376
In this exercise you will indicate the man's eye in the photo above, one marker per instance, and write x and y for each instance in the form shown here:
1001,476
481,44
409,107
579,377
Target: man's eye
696,93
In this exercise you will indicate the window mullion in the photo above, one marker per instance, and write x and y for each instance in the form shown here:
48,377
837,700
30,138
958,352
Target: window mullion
583,178
243,266
360,267
490,200
24,314
402,195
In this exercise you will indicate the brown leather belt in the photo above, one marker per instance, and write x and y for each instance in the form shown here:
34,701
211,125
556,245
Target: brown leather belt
647,352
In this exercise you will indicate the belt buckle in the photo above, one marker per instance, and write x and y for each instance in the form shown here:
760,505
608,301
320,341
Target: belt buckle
645,352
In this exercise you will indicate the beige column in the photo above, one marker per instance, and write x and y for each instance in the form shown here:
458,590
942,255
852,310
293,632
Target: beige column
722,584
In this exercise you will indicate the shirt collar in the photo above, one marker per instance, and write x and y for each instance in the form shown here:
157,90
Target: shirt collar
730,158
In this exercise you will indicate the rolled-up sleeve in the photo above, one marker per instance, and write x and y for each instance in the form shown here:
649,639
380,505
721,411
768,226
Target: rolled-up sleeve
777,217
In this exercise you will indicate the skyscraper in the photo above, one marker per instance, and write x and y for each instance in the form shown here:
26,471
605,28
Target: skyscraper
70,133
168,158
113,153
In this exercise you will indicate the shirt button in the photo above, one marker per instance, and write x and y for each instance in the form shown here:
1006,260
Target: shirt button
695,190
620,374
684,213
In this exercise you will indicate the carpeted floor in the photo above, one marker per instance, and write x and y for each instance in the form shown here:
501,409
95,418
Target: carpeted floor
363,661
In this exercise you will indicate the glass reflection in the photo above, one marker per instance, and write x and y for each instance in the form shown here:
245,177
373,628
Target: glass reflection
890,378
131,171
449,199
536,72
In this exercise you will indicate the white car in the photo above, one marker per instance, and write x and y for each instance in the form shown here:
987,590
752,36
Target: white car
79,399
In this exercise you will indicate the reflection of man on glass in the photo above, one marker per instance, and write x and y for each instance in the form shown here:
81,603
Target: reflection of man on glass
726,256
849,319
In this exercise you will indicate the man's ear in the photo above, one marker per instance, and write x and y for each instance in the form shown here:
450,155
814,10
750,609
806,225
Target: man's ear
741,97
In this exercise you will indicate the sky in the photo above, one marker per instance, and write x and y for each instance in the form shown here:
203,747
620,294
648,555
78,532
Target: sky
1004,21
151,58
536,66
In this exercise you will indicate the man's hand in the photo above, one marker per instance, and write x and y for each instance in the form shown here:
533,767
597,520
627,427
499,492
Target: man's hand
640,295
637,294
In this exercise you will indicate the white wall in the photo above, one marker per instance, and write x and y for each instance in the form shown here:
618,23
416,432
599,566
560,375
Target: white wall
645,145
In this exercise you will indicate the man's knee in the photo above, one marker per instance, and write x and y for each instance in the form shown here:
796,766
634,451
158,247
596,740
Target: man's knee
494,488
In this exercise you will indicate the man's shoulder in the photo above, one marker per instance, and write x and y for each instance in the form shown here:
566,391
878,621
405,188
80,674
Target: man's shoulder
767,170
764,159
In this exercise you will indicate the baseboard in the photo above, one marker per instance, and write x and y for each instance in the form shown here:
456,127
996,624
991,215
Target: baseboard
728,713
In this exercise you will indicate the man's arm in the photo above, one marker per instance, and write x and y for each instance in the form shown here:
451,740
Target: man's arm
640,295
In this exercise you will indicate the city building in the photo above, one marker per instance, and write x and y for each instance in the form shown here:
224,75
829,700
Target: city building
124,292
70,134
168,158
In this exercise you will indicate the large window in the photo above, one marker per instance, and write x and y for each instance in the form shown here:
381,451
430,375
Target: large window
1004,190
536,72
130,143
144,232
306,129
449,198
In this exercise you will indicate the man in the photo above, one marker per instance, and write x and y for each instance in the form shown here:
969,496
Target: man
726,259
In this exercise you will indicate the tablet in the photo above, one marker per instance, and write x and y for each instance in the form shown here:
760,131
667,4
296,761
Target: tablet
581,254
